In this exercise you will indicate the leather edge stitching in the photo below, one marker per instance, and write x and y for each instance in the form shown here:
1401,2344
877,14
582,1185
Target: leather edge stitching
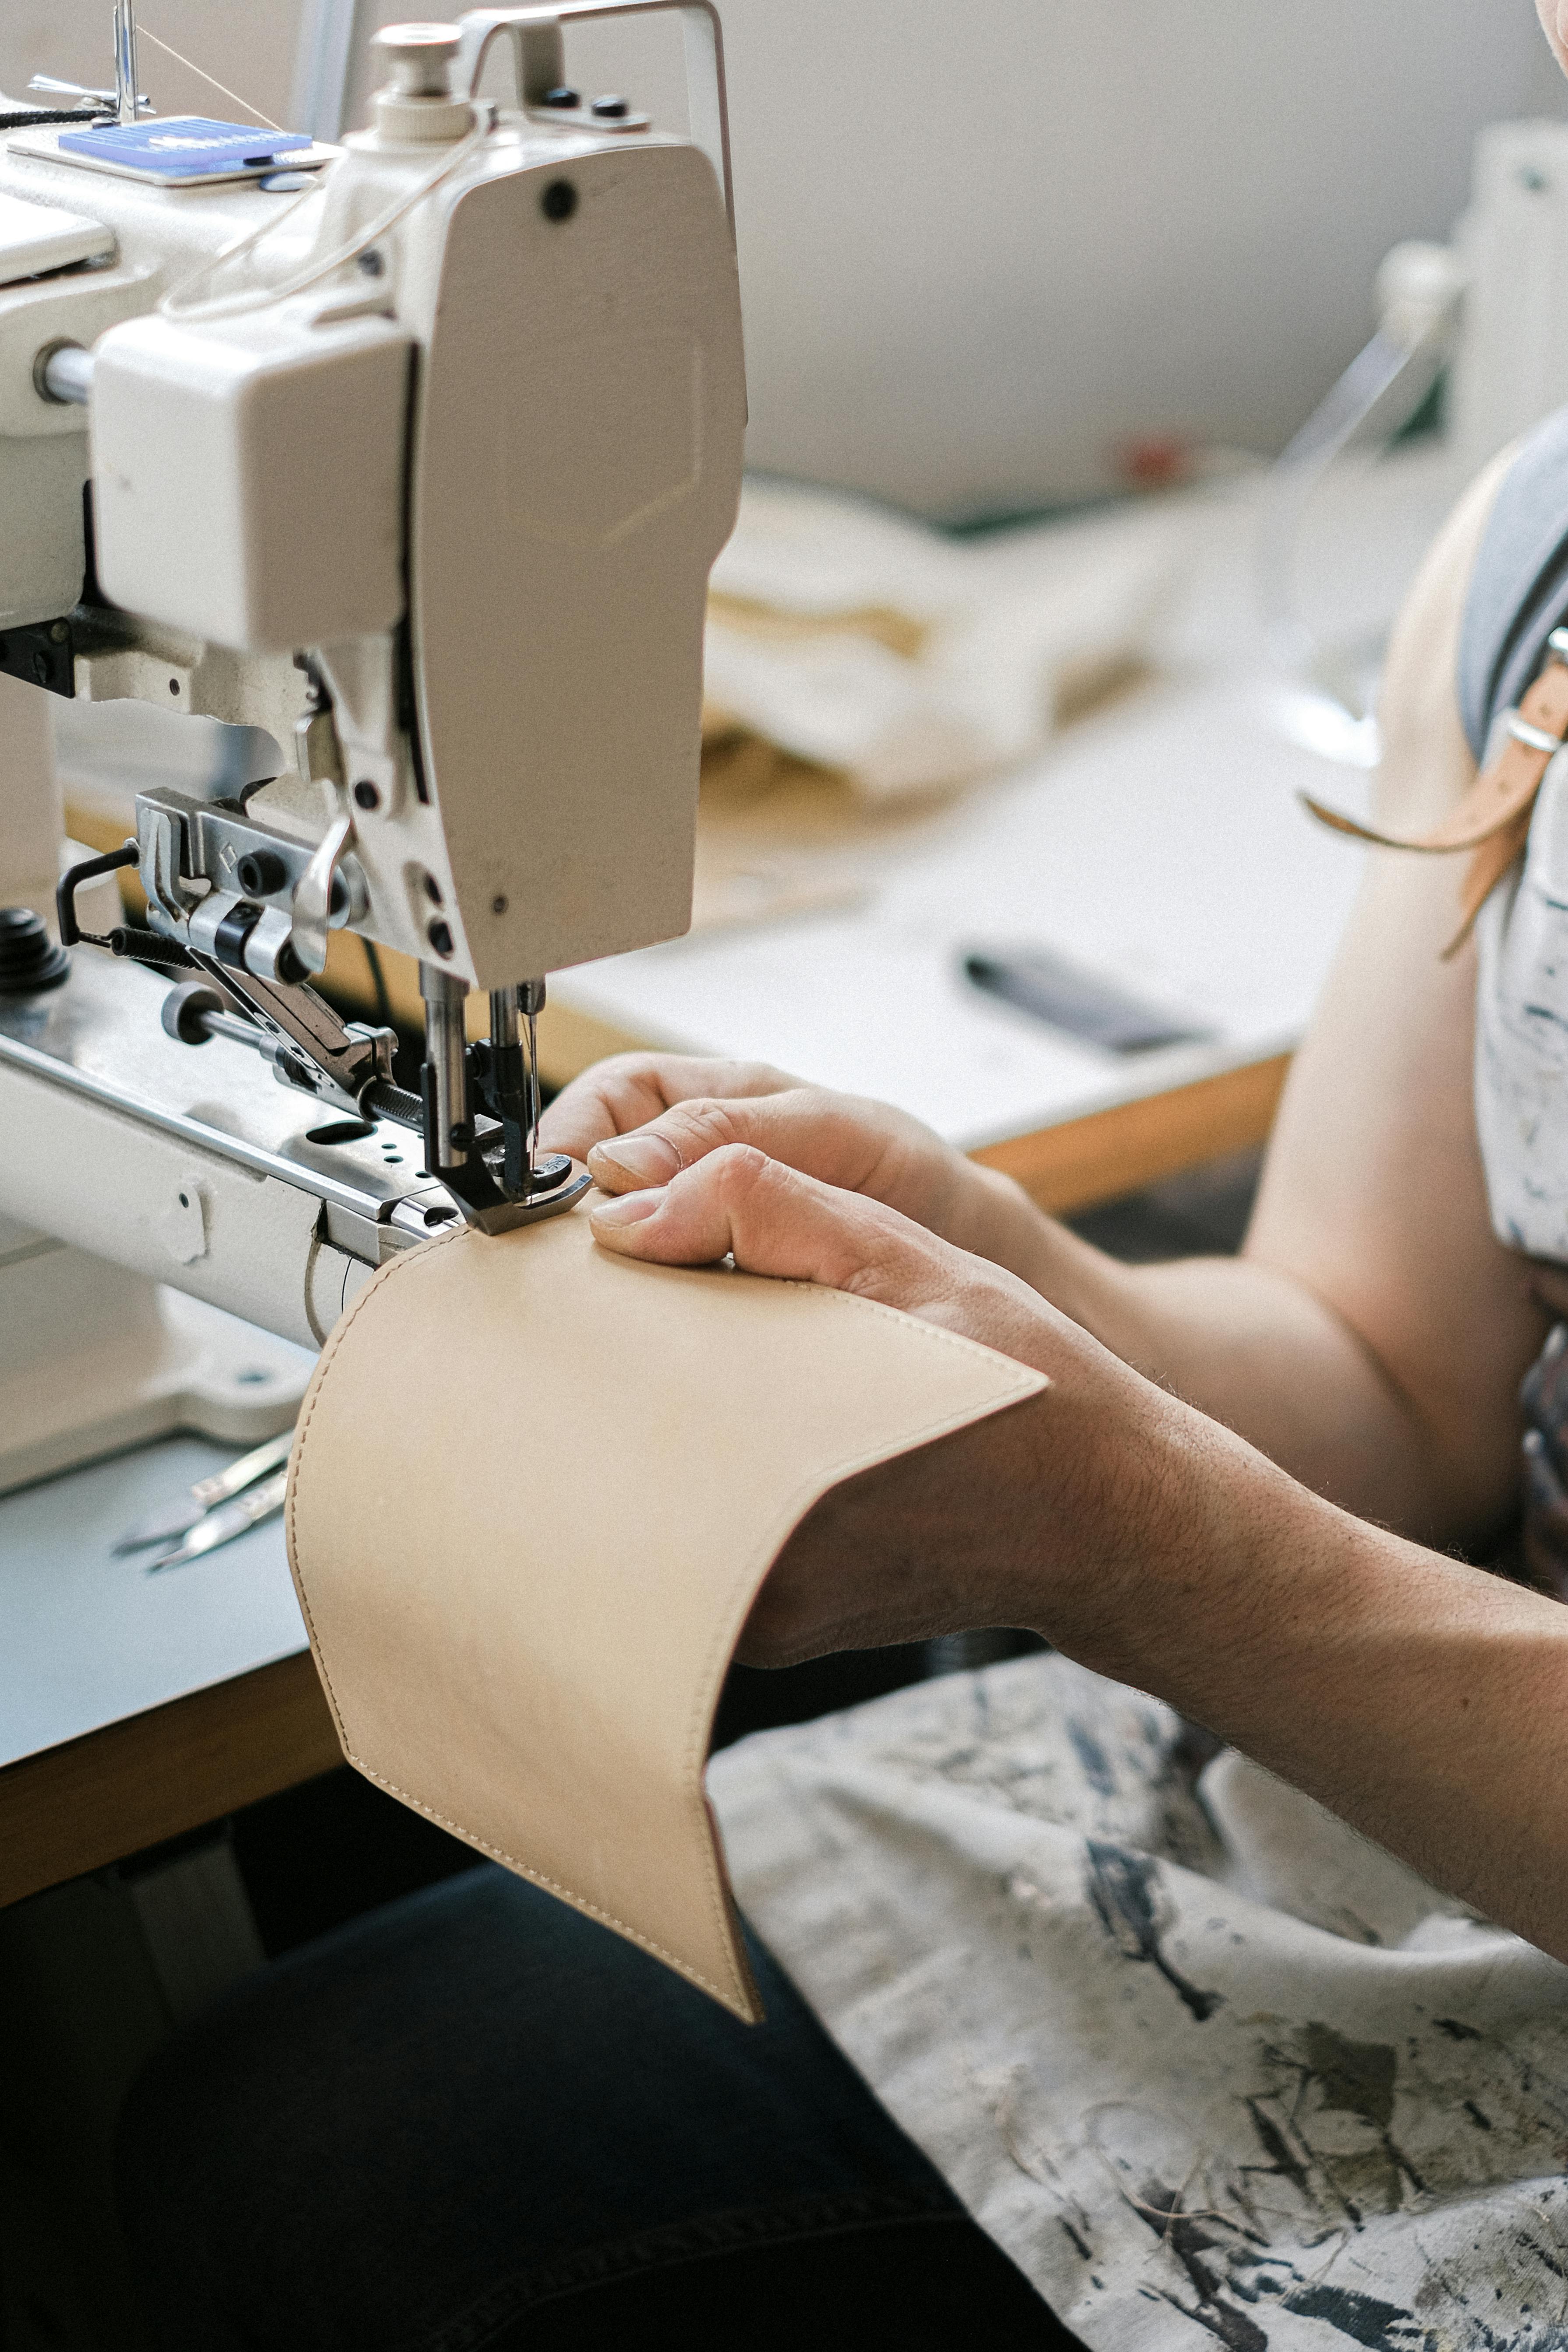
537,1877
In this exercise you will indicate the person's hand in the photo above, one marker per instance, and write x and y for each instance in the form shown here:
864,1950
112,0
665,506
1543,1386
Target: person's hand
640,1119
1039,1516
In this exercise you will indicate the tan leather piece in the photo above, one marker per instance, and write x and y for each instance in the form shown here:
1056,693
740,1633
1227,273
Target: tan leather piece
1493,818
535,1490
1500,793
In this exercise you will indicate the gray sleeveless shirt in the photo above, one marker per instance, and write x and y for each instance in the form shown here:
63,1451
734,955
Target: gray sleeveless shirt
1519,593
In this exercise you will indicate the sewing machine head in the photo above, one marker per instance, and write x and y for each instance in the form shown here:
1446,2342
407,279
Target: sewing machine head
415,454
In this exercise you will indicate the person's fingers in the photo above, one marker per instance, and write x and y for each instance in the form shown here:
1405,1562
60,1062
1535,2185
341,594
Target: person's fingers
775,1221
736,1202
630,1089
803,1127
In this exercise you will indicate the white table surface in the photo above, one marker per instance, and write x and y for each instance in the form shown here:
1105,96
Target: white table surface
1160,841
87,1639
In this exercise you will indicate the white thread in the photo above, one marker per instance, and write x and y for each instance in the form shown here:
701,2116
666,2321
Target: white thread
180,304
211,79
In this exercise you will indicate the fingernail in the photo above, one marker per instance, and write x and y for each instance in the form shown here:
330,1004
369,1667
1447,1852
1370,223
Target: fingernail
648,1158
628,1208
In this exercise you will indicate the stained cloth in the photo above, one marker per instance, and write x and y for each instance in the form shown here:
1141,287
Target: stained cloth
1204,2062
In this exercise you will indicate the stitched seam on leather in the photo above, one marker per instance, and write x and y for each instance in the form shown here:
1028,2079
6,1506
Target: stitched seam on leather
739,1990
383,1276
551,1885
938,1331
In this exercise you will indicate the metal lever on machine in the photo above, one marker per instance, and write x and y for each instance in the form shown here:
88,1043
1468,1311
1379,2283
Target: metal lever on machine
489,1166
140,947
535,36
313,898
70,882
339,1062
308,1045
195,1012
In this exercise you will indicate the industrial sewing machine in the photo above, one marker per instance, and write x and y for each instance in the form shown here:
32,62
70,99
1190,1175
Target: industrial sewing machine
415,454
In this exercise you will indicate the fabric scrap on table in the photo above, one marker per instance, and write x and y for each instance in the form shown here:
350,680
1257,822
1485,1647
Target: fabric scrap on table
905,660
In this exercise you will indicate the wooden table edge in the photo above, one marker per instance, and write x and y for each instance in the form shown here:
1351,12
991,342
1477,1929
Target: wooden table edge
1120,1151
153,1776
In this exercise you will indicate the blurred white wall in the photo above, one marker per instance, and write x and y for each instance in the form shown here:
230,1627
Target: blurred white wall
984,248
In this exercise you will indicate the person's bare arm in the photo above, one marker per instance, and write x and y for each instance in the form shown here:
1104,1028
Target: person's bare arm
1371,1336
1423,1701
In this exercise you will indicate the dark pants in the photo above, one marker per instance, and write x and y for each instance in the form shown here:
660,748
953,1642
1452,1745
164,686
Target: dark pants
476,2119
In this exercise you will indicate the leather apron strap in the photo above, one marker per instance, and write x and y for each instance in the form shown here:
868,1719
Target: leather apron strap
1492,821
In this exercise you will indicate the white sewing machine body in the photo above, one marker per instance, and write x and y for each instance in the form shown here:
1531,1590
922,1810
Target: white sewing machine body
425,480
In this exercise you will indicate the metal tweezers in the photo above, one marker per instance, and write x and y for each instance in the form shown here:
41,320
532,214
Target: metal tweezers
216,1509
230,1519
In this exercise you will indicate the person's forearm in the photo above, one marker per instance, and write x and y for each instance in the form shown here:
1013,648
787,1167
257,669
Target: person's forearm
1423,1701
1254,1349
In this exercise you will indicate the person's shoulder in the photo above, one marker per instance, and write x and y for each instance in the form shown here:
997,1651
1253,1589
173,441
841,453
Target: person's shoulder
1428,761
1518,583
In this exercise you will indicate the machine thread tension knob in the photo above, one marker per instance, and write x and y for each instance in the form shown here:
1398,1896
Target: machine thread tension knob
419,57
29,960
417,104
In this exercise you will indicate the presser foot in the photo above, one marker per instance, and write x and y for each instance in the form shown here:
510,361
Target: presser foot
552,1184
500,1215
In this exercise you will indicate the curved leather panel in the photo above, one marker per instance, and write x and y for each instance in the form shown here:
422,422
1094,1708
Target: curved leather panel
535,1490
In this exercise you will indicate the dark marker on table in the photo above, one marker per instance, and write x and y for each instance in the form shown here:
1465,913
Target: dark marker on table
1078,1003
